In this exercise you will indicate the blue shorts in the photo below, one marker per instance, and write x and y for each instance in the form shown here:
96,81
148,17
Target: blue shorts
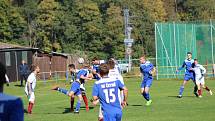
146,83
76,88
187,77
110,116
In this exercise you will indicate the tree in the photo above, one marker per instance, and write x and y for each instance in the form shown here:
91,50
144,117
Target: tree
47,23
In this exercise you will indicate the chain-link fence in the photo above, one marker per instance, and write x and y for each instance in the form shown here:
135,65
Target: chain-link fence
174,40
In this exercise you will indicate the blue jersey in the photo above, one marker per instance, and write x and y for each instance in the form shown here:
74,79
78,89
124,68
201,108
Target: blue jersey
146,69
107,91
11,108
83,72
187,64
96,68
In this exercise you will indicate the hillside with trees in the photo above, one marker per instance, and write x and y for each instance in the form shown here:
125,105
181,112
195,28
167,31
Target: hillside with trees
94,27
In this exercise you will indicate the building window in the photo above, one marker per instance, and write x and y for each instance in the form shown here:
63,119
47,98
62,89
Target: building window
7,59
24,56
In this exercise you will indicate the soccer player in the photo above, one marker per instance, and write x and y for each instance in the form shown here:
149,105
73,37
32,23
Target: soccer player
199,76
113,73
106,91
11,108
95,68
73,72
75,87
189,74
146,69
30,87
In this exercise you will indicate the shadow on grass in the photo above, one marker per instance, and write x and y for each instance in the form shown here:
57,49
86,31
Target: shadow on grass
17,85
135,105
182,96
68,110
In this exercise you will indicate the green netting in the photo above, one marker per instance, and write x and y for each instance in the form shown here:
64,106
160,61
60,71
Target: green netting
174,40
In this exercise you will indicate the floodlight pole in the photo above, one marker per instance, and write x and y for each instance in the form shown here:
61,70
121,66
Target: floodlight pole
128,41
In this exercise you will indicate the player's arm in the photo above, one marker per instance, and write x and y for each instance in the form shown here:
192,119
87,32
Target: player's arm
180,68
85,78
95,94
151,69
203,70
125,93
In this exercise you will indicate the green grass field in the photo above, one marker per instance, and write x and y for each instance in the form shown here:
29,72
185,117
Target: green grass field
52,106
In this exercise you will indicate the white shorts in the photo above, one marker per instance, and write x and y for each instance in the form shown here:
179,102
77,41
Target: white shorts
31,97
200,80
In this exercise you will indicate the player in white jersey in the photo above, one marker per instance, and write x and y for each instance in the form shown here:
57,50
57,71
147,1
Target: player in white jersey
30,87
199,77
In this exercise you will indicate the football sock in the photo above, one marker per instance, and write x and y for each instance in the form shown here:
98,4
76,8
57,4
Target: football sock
30,107
62,90
147,96
85,101
200,92
72,103
195,89
207,88
78,105
181,90
144,95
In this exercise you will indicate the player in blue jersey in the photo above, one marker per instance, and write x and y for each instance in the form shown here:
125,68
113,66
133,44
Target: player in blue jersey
11,108
95,68
106,91
146,69
75,87
189,74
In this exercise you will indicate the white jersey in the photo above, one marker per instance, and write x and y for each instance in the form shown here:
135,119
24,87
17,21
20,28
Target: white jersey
114,73
32,80
199,70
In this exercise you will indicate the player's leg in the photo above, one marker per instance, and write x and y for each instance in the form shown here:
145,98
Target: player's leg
84,96
31,102
142,90
74,87
72,100
149,101
195,88
100,118
206,88
62,90
199,88
78,104
181,90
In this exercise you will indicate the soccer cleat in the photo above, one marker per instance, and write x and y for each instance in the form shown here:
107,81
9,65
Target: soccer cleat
211,93
55,88
200,96
196,94
179,96
148,103
76,112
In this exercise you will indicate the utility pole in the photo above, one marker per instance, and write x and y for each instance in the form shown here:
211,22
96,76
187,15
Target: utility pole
128,41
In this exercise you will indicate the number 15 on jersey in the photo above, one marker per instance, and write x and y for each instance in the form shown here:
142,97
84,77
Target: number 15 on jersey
110,96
